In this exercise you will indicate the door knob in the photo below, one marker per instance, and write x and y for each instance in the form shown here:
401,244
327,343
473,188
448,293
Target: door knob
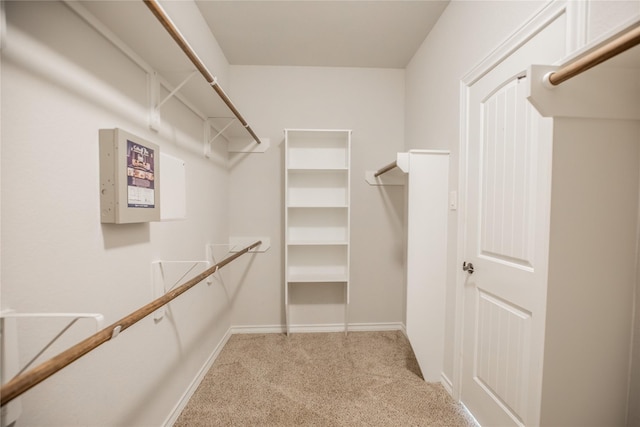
468,267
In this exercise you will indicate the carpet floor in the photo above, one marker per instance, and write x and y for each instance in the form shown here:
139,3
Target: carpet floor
319,379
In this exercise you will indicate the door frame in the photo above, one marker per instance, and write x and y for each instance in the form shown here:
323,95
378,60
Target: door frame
576,35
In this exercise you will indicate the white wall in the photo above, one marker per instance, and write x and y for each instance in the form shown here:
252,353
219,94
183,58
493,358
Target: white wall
466,32
371,103
61,82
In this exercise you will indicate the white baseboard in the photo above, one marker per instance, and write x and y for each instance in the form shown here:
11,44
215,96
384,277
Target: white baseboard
403,329
377,327
327,327
179,407
270,329
446,383
258,329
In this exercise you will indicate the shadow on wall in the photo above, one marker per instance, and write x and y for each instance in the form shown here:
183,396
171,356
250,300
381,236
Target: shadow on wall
121,235
231,291
394,200
134,415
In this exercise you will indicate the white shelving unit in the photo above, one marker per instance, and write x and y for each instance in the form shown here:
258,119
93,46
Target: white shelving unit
317,209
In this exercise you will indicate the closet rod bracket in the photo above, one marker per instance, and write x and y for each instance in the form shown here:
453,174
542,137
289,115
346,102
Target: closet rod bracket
116,331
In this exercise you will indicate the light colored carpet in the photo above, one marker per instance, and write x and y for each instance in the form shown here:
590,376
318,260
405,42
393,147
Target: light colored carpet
320,379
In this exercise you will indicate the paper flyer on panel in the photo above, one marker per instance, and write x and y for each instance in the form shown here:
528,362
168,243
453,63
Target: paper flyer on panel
140,176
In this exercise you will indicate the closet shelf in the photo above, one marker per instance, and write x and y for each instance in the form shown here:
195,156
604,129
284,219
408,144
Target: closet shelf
317,278
317,243
395,172
320,206
163,51
618,45
317,169
391,174
606,91
174,32
386,168
300,206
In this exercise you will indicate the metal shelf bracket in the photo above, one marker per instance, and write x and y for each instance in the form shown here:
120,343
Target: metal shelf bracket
155,103
9,332
166,275
210,128
215,127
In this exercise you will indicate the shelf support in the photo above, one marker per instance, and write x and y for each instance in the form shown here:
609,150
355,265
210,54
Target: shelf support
234,145
155,104
9,328
208,127
160,276
386,169
177,88
388,175
237,243
216,250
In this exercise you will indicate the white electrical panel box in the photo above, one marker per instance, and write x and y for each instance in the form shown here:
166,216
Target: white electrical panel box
129,178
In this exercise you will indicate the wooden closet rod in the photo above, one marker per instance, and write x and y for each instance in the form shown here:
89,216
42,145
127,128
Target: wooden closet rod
28,379
385,169
171,28
609,50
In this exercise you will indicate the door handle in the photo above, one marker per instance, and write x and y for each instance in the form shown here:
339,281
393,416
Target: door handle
468,267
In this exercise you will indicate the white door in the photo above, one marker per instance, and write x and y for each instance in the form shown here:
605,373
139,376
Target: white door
506,241
505,294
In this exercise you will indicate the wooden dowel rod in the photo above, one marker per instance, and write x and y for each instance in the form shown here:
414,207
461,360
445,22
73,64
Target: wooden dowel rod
385,169
171,28
607,51
252,133
221,93
29,379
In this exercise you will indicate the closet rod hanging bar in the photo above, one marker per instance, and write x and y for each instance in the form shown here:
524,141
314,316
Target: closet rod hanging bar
385,169
607,51
173,31
23,382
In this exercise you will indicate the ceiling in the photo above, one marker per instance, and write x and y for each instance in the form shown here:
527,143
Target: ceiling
355,33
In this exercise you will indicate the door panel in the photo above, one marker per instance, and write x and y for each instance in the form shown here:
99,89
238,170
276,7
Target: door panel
501,355
506,237
506,229
504,293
